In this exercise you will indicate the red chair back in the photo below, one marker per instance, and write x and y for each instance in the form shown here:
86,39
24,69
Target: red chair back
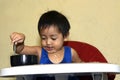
88,53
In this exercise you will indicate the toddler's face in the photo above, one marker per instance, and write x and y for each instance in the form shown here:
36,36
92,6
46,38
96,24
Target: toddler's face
51,39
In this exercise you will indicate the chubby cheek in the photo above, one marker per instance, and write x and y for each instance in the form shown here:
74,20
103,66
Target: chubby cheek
43,43
59,43
55,44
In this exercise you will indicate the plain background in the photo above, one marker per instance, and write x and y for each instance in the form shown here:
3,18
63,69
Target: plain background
96,22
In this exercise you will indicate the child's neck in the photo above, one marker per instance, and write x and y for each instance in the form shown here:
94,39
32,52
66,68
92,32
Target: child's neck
56,57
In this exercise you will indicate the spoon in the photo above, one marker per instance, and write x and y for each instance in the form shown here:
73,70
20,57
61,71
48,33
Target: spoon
14,48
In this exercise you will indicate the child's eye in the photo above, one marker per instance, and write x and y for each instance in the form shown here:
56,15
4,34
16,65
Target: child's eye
43,38
53,37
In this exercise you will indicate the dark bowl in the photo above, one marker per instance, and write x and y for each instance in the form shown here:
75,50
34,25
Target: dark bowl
20,60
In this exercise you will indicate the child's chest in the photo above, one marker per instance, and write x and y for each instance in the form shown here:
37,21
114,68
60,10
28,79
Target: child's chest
56,58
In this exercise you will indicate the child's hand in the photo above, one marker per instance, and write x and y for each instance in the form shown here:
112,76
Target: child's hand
17,38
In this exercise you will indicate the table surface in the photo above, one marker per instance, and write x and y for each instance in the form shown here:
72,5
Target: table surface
60,68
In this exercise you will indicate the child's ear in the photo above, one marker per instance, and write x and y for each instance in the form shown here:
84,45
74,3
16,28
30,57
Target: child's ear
66,37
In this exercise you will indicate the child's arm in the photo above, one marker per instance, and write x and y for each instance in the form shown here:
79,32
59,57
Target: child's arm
75,56
18,39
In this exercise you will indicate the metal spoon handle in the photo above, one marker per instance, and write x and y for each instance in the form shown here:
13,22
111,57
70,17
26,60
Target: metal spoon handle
14,48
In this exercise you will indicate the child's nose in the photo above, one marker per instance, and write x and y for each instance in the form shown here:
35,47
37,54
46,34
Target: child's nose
48,41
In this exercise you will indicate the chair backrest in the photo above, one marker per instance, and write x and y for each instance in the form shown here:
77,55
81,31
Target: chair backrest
88,53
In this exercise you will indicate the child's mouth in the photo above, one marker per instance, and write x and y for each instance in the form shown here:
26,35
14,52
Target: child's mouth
49,48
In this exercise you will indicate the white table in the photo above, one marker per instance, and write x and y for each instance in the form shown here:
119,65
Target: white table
81,68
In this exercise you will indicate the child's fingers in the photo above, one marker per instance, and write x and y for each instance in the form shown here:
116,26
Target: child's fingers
16,38
13,36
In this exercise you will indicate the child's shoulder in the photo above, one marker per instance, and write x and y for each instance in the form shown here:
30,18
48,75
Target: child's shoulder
72,50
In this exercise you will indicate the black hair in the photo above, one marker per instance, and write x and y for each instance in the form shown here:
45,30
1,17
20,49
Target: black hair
54,18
